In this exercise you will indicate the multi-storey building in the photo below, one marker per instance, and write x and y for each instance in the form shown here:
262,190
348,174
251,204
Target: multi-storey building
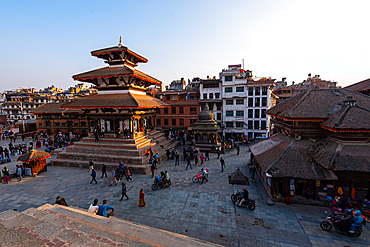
180,117
51,119
245,101
210,91
17,104
312,82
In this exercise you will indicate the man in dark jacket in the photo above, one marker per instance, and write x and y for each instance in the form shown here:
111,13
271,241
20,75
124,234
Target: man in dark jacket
123,193
93,175
103,170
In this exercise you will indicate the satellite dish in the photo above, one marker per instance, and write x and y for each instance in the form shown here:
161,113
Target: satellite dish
298,137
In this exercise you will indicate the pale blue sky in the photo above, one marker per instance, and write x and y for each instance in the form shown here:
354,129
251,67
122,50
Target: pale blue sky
46,42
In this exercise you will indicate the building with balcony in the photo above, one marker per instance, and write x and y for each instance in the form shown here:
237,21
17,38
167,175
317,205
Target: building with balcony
210,92
245,102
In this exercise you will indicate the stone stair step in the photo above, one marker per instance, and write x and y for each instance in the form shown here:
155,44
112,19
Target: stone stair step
115,145
118,152
117,230
115,140
101,158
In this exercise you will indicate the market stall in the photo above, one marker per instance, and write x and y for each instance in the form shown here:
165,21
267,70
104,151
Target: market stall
34,162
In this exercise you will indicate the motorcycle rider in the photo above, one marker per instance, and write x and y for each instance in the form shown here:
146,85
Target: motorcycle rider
245,197
346,220
163,178
357,221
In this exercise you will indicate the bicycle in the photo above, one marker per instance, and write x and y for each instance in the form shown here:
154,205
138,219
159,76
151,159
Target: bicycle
198,178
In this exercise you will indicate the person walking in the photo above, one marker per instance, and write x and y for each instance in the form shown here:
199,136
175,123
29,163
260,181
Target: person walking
123,193
201,159
103,210
207,155
237,149
93,175
91,165
252,172
128,174
141,199
196,157
153,166
19,173
104,170
168,154
177,159
222,164
113,178
189,164
218,152
120,168
96,135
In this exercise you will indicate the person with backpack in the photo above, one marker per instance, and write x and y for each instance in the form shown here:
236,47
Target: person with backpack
128,174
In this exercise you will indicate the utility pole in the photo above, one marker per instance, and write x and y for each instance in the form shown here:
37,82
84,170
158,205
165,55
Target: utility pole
23,130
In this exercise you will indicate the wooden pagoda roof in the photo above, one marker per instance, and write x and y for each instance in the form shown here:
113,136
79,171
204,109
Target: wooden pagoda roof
316,104
107,72
54,108
104,53
116,101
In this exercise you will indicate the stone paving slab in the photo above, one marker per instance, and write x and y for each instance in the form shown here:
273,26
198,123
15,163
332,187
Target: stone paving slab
197,210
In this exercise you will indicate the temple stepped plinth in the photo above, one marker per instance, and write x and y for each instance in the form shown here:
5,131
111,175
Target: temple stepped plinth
111,151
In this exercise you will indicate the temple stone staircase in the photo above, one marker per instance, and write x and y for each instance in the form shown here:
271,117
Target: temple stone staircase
56,225
111,151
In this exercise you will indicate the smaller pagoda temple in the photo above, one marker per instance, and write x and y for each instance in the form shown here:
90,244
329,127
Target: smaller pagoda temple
205,130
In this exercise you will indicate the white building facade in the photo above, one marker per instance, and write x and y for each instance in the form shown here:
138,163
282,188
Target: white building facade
245,102
211,94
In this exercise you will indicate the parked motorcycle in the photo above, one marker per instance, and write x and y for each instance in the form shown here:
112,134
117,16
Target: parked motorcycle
158,183
334,221
238,195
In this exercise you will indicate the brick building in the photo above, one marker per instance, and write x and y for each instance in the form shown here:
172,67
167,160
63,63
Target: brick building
180,117
51,119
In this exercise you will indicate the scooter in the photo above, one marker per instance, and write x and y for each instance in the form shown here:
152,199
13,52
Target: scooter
334,221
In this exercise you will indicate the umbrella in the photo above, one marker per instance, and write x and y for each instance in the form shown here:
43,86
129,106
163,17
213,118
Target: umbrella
33,156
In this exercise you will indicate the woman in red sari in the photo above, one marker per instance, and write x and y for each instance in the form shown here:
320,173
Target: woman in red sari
141,199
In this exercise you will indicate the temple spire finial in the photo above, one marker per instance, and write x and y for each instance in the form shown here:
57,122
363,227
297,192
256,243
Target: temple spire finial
120,44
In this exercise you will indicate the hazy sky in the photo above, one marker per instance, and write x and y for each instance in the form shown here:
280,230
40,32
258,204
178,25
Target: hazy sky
46,42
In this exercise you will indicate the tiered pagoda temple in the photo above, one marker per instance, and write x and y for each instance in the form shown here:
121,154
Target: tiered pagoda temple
121,103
